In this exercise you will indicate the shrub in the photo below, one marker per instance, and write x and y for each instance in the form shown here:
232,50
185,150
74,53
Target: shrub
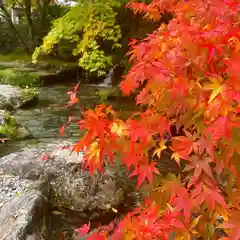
18,78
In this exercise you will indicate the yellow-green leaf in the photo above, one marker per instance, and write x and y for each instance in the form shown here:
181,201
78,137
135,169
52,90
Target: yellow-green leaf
158,151
215,86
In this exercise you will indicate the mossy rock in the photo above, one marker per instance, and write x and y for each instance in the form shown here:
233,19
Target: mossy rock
30,97
109,93
10,128
19,78
13,97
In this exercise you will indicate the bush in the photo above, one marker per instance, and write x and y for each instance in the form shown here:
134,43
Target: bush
18,78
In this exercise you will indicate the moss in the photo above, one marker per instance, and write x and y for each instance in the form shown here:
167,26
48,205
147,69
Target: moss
15,57
26,59
19,78
58,62
29,94
9,128
106,93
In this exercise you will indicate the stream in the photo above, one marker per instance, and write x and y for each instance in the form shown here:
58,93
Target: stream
45,119
43,122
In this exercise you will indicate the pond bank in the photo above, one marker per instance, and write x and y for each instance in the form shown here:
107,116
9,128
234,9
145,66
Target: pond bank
28,74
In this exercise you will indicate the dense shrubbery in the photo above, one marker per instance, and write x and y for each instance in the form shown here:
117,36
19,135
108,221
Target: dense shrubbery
8,40
18,78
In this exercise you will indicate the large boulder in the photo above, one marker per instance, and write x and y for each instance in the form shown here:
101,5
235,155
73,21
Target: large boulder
12,97
71,186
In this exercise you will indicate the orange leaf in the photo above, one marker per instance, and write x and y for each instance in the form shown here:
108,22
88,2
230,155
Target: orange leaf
62,130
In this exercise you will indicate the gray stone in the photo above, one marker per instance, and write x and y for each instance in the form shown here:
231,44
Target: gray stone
2,117
73,187
12,97
33,122
11,187
22,133
19,217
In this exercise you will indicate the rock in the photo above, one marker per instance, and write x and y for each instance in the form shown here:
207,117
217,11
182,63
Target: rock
78,191
12,97
12,187
71,186
11,128
22,133
41,66
109,93
19,217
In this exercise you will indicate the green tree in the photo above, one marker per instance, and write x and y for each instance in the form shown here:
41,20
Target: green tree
85,26
97,33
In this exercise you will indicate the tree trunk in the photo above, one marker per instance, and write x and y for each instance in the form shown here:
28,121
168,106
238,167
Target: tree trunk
43,16
42,6
28,13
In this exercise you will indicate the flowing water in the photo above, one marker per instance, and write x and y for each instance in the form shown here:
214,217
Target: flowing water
45,119
107,82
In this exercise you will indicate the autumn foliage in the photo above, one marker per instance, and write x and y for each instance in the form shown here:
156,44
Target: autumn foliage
188,74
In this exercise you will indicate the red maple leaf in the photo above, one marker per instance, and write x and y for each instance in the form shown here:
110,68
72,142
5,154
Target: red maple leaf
45,157
202,145
82,231
199,166
73,98
62,130
145,171
233,64
96,123
221,127
131,157
183,146
128,85
183,202
211,196
170,219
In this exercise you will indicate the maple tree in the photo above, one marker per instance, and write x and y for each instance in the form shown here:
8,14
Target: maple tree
188,73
